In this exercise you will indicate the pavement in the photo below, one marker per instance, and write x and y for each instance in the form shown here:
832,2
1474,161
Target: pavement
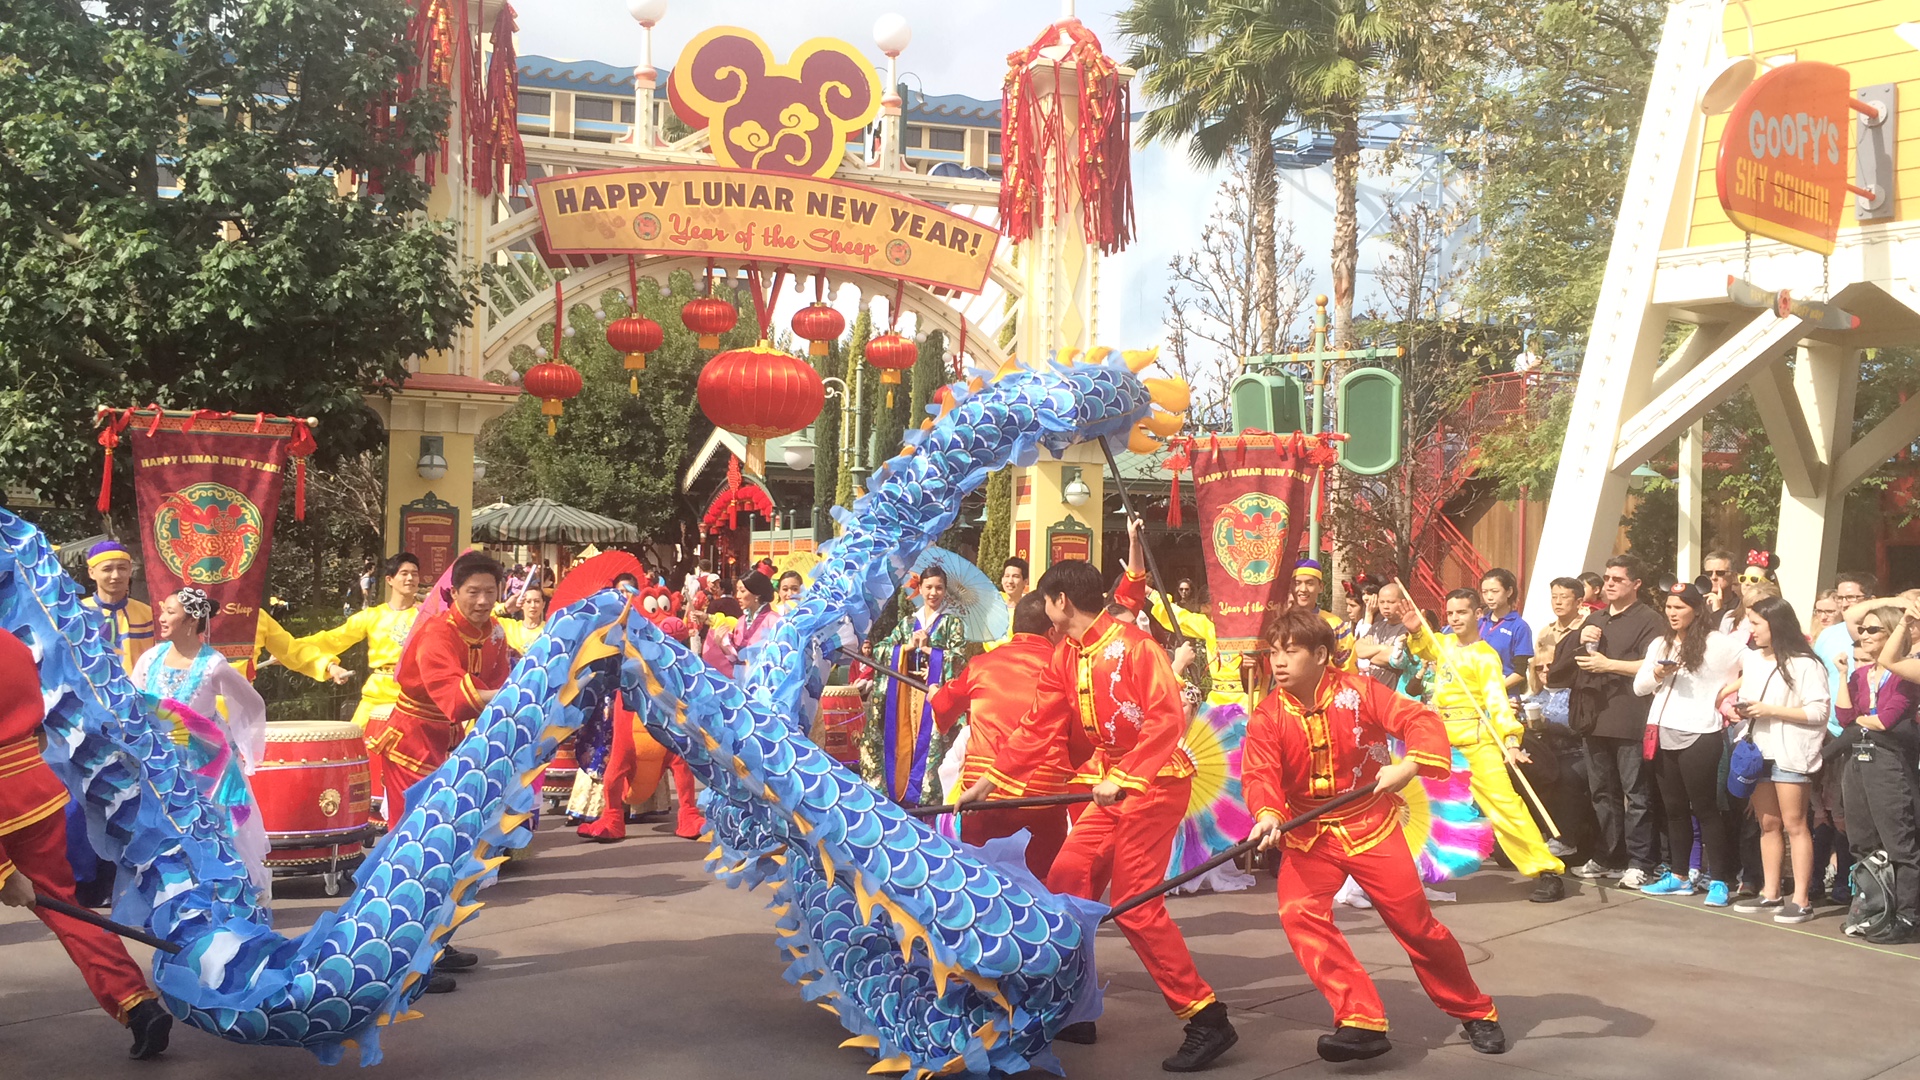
626,960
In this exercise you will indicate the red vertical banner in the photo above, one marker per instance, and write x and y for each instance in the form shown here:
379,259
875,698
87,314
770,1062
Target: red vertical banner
1254,492
207,486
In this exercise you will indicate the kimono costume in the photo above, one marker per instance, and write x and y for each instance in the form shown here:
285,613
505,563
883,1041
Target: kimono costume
722,649
1475,673
448,662
217,692
902,747
33,838
1298,755
995,691
1110,700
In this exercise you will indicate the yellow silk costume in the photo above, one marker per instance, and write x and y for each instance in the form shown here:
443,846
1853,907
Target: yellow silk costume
129,626
384,629
1470,678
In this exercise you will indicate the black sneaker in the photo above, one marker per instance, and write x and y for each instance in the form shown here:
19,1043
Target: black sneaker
150,1024
452,959
1549,889
1902,932
1209,1034
441,983
1348,1043
1486,1036
1080,1034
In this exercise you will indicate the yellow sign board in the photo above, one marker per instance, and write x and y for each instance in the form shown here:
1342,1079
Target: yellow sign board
775,218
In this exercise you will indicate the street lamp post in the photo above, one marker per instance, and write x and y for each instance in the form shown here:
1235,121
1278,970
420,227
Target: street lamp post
647,13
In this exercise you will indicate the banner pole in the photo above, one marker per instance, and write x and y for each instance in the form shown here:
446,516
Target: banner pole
1153,565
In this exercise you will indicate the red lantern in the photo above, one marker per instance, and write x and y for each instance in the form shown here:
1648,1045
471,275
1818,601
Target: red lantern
819,323
760,393
709,317
554,384
892,354
635,335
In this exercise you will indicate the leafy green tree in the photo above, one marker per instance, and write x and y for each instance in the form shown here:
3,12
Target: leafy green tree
1223,92
615,453
1543,122
856,352
826,436
186,218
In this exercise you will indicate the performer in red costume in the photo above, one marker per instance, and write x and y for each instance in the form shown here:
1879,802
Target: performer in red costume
1321,734
995,690
453,665
636,759
1109,697
33,857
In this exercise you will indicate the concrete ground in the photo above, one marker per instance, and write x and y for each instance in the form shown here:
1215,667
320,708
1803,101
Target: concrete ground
627,961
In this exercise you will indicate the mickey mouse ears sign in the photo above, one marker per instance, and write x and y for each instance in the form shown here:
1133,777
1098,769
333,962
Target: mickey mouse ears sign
777,133
759,114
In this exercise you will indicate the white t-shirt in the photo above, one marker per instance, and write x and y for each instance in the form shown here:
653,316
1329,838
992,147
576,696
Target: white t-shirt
1789,745
1686,701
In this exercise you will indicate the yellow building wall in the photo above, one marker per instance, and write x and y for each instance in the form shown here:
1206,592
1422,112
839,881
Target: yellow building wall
1858,36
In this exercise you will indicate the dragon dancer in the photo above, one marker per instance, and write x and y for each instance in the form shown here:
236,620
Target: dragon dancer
33,856
1321,734
1110,698
451,667
995,692
384,629
1471,696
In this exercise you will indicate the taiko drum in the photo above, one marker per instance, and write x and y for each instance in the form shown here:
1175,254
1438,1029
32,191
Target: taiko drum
314,785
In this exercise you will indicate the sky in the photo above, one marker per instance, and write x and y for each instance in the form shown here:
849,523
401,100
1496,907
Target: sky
956,48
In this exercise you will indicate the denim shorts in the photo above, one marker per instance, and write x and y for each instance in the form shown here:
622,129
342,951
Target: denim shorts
1786,776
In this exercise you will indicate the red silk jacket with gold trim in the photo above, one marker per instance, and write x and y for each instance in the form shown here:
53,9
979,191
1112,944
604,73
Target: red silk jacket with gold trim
995,690
447,663
1298,756
29,792
1111,698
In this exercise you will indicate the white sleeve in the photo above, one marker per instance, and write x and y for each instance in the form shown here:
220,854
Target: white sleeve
141,667
1810,682
1644,684
246,713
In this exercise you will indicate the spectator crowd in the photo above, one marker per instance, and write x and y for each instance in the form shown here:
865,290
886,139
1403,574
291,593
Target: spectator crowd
1697,739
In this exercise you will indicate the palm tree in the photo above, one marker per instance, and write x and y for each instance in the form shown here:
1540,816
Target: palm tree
1336,55
1208,89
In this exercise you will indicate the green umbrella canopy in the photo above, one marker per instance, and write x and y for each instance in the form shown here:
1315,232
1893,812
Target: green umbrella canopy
543,521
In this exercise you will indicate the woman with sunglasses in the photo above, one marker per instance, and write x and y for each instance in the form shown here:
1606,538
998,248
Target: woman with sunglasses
1878,784
1685,672
1782,702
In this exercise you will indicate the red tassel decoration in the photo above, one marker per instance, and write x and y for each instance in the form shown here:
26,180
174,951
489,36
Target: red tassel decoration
1098,163
302,445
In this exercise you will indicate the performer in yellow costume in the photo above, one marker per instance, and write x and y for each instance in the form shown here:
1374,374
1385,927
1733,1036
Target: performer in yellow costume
129,622
1469,671
532,622
385,629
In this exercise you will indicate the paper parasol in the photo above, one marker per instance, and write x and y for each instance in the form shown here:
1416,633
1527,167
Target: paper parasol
800,562
1449,836
1217,816
971,594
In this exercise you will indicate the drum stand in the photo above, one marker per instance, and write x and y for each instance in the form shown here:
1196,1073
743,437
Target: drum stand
344,852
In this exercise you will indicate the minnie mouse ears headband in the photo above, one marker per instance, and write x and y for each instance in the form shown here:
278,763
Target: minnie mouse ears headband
1761,565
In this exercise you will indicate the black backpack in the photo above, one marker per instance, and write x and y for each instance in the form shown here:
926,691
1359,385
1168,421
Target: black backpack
1873,911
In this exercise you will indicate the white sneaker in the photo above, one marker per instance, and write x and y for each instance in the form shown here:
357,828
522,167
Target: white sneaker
1594,870
1560,850
1634,878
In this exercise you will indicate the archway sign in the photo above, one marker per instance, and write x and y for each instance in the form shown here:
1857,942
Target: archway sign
778,132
